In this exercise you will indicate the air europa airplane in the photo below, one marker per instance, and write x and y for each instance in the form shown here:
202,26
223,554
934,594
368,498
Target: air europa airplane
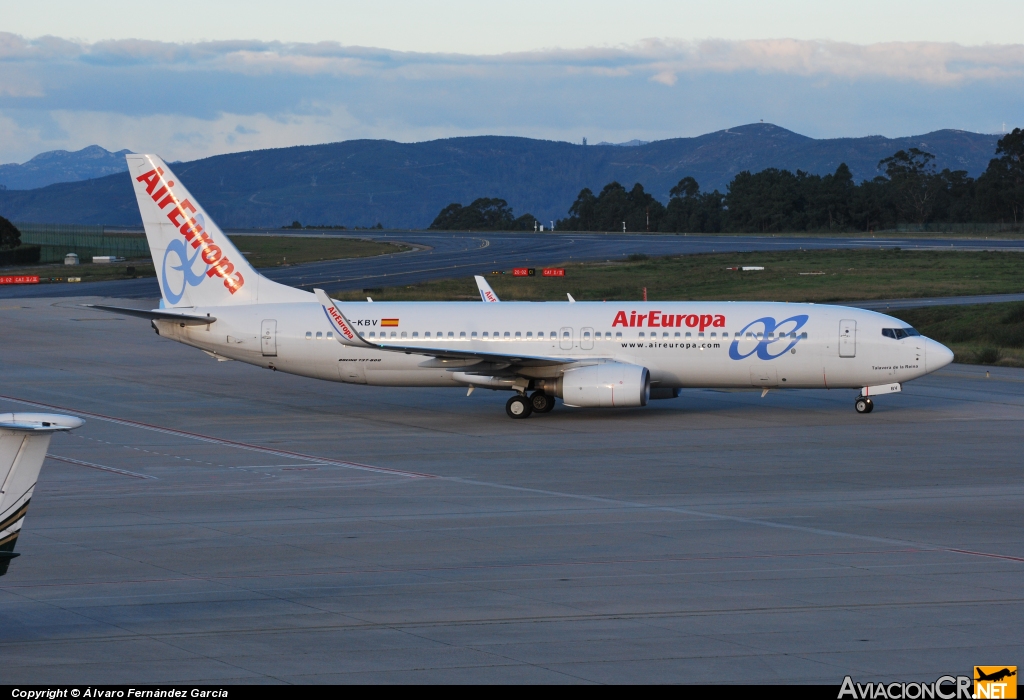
586,354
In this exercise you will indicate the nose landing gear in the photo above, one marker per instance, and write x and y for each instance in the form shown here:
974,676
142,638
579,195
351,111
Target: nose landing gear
864,405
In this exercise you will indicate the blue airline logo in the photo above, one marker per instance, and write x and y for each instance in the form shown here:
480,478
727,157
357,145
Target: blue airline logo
189,277
776,338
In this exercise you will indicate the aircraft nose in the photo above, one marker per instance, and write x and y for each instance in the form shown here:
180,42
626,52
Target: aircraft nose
937,355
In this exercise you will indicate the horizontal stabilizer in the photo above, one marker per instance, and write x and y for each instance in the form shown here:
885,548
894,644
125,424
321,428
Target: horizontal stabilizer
156,314
24,439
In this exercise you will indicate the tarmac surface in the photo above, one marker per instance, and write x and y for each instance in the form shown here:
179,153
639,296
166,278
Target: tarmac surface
441,255
219,523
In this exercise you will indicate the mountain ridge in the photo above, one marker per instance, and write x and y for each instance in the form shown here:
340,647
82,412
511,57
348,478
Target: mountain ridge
363,182
52,167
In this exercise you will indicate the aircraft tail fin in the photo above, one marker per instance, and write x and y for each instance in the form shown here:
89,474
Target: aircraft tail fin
196,263
486,293
24,439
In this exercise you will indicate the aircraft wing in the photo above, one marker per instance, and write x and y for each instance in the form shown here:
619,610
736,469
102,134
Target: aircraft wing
155,314
486,293
346,334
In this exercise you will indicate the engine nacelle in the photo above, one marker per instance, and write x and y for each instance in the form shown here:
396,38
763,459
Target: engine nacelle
612,384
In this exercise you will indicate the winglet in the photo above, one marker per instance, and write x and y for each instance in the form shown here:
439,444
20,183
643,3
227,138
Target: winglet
346,333
486,293
571,300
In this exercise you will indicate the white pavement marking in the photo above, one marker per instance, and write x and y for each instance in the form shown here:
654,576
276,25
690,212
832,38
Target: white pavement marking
287,454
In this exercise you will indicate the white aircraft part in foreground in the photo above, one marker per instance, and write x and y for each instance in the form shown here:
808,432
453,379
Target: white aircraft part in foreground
589,354
24,439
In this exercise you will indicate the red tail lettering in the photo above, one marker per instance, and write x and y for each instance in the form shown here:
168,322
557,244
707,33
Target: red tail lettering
211,254
221,269
705,321
151,178
234,282
179,212
654,319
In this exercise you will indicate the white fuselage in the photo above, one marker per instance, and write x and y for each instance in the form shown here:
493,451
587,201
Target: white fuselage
685,344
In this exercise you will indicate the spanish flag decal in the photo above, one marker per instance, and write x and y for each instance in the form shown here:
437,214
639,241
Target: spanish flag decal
388,322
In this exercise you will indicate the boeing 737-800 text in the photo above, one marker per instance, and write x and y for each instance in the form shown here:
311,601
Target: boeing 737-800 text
589,354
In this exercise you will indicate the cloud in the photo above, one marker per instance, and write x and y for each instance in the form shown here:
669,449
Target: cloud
930,62
187,100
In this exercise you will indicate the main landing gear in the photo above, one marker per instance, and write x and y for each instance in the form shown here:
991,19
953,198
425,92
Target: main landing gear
864,405
520,406
541,402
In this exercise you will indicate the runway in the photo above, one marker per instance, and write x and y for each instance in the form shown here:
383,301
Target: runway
445,255
218,523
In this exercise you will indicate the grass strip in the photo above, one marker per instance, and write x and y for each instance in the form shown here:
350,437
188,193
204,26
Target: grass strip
261,251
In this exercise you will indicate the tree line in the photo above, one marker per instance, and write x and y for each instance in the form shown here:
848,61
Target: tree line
912,191
484,214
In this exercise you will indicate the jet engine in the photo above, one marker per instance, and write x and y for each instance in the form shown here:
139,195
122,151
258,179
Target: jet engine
612,384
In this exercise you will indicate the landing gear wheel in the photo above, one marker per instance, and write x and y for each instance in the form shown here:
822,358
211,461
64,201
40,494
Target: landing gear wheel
541,402
864,405
518,407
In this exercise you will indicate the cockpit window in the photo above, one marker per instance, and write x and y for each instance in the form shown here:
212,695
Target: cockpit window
898,333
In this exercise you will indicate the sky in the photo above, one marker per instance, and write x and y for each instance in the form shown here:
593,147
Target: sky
193,79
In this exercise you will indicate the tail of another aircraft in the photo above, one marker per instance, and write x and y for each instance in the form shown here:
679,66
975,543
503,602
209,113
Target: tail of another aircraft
196,264
24,438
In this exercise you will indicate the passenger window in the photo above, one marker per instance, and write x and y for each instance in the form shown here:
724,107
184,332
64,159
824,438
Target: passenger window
608,335
451,334
750,335
427,334
309,334
567,335
404,335
678,334
619,334
462,334
330,335
641,334
474,334
415,334
507,334
725,335
529,334
586,334
699,335
689,335
713,335
485,334
803,336
393,334
319,335
518,335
